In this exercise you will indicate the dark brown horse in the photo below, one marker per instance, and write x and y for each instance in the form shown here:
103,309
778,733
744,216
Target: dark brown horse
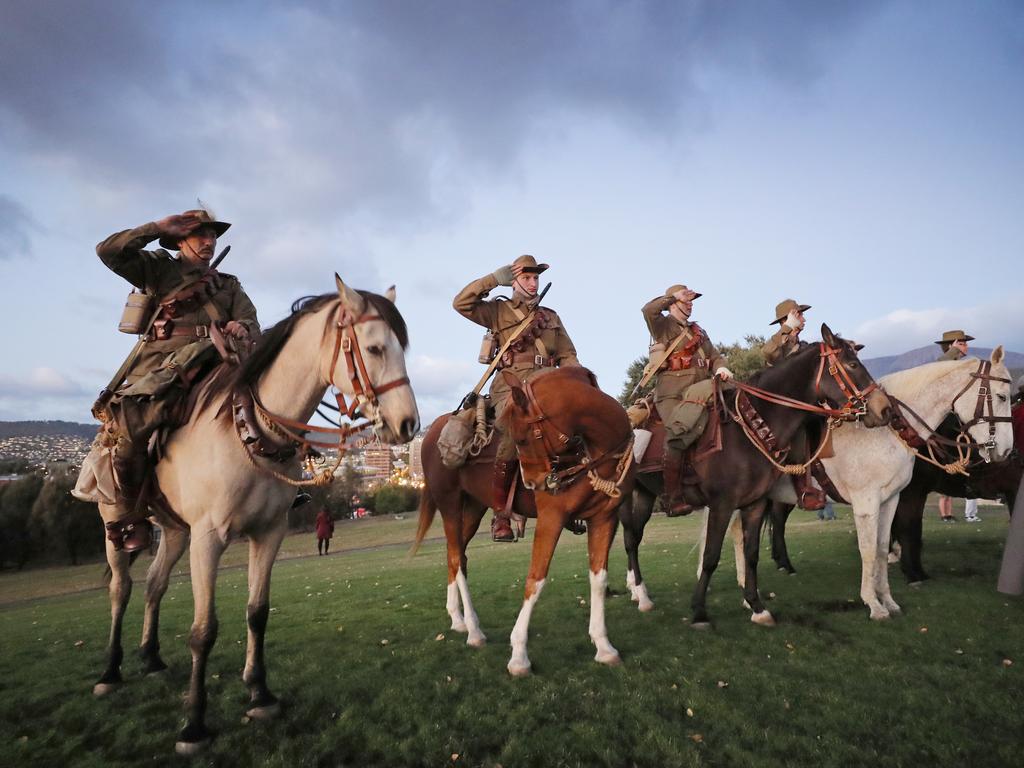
741,477
574,446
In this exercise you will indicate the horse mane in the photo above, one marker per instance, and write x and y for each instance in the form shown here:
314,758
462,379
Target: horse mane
270,342
907,383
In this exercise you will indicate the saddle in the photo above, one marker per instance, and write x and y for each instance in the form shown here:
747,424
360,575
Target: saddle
709,442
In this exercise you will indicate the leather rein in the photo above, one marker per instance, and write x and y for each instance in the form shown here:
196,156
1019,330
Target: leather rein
566,457
293,431
760,434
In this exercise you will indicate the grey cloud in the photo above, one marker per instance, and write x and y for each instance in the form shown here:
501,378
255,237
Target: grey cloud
15,227
335,111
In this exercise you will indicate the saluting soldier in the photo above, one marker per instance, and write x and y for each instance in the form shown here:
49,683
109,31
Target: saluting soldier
684,384
789,315
953,345
543,345
177,349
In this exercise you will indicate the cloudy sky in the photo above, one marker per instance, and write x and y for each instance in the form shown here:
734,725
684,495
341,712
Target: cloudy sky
862,157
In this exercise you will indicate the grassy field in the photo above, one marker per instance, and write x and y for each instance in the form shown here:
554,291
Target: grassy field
360,652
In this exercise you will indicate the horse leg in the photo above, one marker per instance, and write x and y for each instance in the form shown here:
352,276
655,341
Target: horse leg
204,554
779,515
885,515
865,517
172,544
263,705
458,584
120,589
736,526
907,530
545,538
634,513
752,516
600,534
717,520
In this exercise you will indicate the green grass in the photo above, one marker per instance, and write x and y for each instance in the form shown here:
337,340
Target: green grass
826,687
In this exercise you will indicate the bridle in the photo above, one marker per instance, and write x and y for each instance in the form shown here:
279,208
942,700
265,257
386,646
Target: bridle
363,393
856,404
963,443
566,458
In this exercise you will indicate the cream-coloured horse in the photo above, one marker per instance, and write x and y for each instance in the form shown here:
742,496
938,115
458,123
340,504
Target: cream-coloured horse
872,466
214,487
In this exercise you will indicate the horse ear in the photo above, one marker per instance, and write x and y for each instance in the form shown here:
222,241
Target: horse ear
997,355
350,299
518,395
389,294
827,336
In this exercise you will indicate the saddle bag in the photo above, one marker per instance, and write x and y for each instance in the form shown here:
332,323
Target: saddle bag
456,439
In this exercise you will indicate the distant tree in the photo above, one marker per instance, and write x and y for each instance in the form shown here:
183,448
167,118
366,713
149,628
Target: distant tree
15,511
14,466
744,359
633,375
59,520
389,499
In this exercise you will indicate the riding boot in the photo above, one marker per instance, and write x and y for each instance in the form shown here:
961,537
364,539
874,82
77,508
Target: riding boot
132,530
809,496
673,502
504,476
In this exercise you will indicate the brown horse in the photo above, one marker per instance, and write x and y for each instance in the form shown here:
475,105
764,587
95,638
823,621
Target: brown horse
574,445
741,477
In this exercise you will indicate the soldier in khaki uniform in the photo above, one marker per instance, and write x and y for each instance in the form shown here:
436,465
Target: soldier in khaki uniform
543,345
684,383
789,315
953,345
176,350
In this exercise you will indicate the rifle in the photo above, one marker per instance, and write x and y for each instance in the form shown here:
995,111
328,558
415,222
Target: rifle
523,325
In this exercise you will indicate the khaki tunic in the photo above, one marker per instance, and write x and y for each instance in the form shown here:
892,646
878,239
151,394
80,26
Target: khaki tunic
158,273
782,344
951,354
681,395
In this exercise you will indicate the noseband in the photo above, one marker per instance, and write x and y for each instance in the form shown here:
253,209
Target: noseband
363,391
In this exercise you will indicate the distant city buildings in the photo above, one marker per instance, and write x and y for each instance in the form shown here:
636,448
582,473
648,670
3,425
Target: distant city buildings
40,450
416,458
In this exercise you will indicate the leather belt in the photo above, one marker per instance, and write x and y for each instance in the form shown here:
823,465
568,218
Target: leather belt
194,331
684,363
538,361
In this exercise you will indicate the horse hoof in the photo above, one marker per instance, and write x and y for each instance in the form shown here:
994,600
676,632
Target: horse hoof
609,659
646,606
517,670
191,748
459,626
701,626
264,712
881,615
102,689
477,641
763,619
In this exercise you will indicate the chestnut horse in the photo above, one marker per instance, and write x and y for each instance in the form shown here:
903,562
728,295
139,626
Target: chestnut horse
574,445
741,477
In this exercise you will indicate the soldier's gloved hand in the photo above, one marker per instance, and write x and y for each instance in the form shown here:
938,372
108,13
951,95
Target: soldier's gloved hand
792,321
504,275
236,329
724,373
178,225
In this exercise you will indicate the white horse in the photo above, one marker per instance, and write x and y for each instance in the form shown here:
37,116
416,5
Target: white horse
214,486
872,466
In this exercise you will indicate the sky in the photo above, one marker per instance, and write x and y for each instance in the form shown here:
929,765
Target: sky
861,157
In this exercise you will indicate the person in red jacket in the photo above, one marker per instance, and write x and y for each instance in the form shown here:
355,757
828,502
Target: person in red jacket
324,530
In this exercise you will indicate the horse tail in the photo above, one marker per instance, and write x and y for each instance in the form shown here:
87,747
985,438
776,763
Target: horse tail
108,574
428,508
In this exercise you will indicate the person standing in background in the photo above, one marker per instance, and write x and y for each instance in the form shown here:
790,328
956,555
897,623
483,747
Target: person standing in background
324,531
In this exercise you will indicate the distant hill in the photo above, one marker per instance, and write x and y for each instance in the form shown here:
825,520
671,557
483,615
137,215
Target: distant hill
880,366
46,428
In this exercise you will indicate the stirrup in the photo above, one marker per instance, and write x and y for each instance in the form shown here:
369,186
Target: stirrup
577,527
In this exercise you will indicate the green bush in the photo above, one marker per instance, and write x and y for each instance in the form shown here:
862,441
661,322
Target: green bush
390,499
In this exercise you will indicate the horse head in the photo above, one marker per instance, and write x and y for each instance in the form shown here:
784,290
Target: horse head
983,407
844,381
365,359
